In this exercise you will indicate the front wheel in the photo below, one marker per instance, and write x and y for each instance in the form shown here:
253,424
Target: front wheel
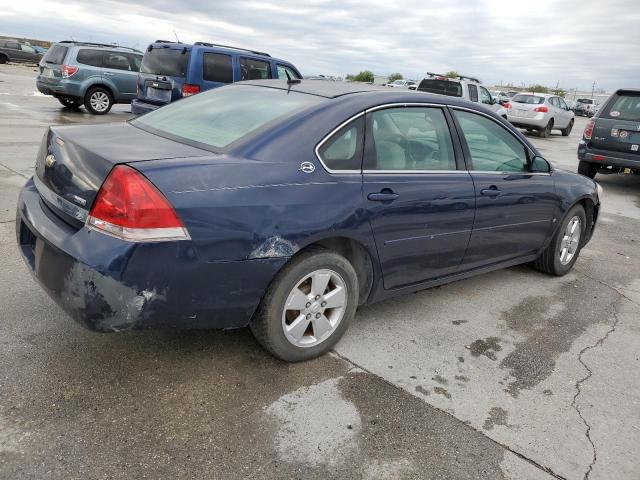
561,254
308,306
98,101
566,131
587,169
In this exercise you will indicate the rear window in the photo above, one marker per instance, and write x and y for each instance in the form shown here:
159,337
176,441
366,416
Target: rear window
223,115
165,61
586,101
56,54
441,87
624,107
530,99
89,56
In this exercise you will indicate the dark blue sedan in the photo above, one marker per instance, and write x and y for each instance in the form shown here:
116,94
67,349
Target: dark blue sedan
285,205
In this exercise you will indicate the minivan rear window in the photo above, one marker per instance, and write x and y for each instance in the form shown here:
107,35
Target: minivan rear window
165,61
441,87
625,106
530,99
56,54
224,115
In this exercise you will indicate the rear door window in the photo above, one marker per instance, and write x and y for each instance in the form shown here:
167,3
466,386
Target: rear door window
216,67
168,62
485,96
88,56
116,60
13,45
56,54
252,69
283,70
441,87
136,60
625,106
473,93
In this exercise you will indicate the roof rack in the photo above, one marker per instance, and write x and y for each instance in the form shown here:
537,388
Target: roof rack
165,41
459,77
471,79
205,44
95,44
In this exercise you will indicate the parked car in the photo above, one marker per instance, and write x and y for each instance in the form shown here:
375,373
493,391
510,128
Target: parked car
541,112
171,71
585,107
571,104
611,140
283,205
94,74
17,51
499,95
468,88
401,84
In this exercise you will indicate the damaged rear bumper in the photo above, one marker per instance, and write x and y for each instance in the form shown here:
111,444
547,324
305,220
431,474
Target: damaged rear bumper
107,284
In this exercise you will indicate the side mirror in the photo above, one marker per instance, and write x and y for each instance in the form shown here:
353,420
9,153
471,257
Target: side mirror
540,165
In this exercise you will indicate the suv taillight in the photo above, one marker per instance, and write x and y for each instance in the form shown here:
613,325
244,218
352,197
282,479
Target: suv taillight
588,130
68,70
542,109
130,207
189,89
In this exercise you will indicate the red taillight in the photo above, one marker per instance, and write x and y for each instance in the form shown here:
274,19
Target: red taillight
130,207
598,157
507,105
68,70
542,109
588,130
189,89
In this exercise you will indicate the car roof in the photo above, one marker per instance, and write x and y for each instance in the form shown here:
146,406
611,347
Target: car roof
105,46
219,48
321,88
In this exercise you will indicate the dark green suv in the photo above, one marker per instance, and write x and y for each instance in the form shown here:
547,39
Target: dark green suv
94,74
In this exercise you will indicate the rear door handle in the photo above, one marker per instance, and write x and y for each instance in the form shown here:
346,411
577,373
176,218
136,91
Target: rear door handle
385,195
108,73
492,191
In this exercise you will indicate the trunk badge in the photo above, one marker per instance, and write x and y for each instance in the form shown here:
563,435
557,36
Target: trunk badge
624,134
49,161
156,84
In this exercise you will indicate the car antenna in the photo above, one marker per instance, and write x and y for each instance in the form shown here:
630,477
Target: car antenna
174,32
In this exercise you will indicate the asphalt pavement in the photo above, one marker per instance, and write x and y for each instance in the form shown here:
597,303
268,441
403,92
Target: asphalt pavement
510,375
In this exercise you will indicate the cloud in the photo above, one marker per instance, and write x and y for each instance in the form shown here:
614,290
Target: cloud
571,42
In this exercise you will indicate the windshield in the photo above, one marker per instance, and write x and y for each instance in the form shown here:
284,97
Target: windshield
165,61
530,99
223,115
441,87
625,107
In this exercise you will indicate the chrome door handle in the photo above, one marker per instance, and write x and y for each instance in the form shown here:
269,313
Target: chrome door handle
385,195
492,191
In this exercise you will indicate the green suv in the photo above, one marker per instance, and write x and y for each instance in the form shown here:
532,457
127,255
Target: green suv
95,75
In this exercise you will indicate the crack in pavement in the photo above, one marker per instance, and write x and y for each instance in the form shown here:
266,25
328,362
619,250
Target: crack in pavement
14,171
579,383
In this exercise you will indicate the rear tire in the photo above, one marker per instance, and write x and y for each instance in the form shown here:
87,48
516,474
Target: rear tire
567,131
546,131
3,58
69,102
98,100
297,296
561,254
587,169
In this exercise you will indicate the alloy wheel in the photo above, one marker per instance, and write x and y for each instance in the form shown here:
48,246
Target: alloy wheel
99,101
571,240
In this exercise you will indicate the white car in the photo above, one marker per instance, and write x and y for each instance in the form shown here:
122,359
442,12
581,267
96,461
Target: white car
401,84
542,112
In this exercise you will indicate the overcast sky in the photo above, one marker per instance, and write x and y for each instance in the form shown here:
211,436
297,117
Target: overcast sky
574,42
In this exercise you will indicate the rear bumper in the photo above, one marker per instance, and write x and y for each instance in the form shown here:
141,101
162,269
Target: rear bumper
61,87
537,122
107,284
138,107
608,158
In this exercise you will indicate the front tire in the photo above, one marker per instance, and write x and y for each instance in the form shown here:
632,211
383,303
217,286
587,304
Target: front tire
567,131
98,101
587,169
308,306
561,254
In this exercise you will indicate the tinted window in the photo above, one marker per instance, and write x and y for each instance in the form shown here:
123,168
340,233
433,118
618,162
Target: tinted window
165,61
492,148
90,57
254,69
624,106
13,45
410,139
283,69
136,61
531,99
343,151
586,101
56,54
473,93
117,61
27,48
485,96
223,115
217,68
442,87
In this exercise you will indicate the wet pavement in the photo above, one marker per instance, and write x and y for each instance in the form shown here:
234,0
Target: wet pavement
511,375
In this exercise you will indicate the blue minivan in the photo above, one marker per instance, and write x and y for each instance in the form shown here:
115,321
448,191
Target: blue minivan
173,70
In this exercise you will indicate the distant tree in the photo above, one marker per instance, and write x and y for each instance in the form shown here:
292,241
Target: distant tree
350,77
395,76
364,76
538,89
452,74
561,92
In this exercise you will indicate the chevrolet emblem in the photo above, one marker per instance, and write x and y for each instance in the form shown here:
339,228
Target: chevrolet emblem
49,160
